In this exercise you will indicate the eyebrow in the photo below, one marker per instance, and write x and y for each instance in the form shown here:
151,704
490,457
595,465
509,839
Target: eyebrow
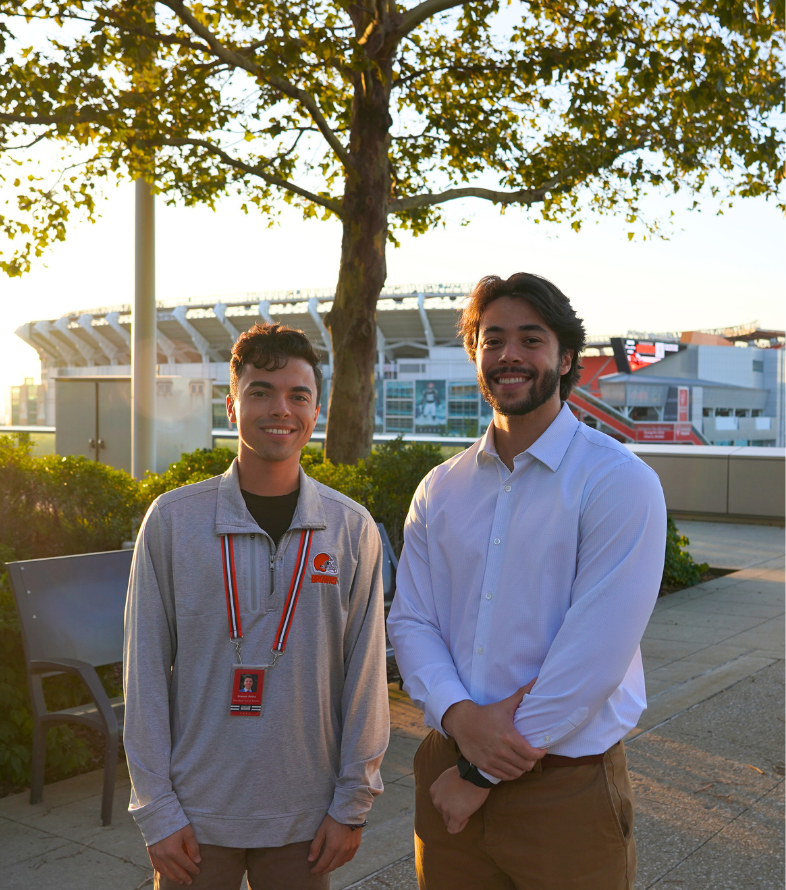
496,329
264,384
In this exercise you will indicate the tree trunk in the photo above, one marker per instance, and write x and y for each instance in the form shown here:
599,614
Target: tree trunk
353,319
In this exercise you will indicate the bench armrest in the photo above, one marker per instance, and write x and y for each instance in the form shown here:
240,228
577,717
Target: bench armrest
89,677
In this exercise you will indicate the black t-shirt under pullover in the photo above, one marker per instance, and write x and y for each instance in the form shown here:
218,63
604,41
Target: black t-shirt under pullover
273,515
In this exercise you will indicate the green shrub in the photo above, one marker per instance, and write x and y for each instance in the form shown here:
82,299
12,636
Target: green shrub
383,483
52,506
679,569
395,469
195,466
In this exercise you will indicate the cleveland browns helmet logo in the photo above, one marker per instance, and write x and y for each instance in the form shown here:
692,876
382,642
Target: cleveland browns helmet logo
325,564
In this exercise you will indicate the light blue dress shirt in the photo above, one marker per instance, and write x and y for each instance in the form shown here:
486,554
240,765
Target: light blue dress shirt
551,570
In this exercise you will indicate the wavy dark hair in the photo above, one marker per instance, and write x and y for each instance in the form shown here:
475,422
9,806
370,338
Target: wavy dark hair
269,347
550,302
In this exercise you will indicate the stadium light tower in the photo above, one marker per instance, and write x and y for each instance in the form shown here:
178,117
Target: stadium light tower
143,332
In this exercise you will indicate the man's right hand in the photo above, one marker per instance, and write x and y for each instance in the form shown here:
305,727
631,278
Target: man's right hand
175,857
487,737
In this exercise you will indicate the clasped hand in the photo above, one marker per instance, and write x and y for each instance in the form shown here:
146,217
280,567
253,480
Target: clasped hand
487,738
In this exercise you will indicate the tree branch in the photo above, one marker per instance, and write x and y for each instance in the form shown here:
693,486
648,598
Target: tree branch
418,14
69,115
277,181
522,196
238,60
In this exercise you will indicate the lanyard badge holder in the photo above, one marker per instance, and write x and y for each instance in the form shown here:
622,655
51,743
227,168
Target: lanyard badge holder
248,680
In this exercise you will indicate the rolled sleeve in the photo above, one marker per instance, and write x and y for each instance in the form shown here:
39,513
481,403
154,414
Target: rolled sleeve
618,574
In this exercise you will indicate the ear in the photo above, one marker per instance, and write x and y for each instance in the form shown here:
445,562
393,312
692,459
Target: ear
567,360
231,414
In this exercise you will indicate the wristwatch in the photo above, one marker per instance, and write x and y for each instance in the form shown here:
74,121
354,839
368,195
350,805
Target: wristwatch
472,773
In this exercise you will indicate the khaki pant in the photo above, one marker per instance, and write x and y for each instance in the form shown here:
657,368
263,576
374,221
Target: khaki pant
563,828
269,868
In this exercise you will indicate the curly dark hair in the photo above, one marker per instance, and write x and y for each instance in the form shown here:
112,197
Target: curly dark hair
270,346
550,302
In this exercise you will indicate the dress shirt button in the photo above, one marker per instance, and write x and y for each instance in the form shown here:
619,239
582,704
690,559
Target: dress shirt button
546,738
496,540
480,650
488,596
507,488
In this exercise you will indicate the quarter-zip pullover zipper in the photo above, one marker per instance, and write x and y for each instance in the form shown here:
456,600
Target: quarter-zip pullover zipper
254,595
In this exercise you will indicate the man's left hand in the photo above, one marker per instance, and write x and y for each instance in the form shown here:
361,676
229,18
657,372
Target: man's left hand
338,844
457,799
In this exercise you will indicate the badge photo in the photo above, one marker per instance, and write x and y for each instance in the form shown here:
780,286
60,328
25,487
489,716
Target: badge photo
248,683
325,569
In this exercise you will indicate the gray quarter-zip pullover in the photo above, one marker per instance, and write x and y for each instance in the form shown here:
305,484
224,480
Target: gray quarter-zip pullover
253,781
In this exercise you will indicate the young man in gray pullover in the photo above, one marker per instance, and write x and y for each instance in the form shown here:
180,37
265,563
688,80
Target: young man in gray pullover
256,698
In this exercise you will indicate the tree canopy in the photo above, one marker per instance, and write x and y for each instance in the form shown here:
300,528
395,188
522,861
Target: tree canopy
381,113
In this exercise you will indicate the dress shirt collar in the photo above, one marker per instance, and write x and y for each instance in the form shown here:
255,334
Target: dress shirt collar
549,449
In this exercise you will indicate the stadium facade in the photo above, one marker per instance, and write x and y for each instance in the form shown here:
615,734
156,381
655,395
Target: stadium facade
703,391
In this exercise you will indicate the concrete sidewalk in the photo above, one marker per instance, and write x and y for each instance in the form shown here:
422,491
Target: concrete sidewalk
731,545
706,760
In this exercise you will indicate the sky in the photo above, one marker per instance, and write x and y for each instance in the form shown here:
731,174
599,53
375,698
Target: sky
713,271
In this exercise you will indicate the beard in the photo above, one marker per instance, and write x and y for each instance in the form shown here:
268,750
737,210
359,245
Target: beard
542,388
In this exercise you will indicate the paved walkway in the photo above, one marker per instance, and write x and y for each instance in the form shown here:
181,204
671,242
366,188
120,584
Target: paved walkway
730,545
706,760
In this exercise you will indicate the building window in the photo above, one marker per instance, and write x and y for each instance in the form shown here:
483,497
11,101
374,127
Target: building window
723,412
742,412
708,412
16,400
463,407
758,365
399,404
756,412
220,419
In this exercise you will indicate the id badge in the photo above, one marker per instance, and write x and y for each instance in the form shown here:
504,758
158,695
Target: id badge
248,683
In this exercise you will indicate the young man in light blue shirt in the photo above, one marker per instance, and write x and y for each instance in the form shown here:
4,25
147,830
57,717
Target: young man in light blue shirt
531,565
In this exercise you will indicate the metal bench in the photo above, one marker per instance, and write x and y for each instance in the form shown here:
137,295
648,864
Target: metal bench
71,614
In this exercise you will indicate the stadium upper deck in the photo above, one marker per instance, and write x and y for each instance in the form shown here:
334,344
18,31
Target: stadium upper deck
410,321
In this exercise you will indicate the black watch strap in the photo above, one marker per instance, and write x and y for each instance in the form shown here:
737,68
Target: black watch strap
472,774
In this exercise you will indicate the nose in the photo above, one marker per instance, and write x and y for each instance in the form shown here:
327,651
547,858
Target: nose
279,406
511,353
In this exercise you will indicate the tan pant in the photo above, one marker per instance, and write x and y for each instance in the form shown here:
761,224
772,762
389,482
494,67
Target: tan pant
269,868
564,828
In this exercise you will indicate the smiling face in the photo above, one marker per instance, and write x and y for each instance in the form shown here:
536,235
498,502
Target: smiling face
275,411
518,358
248,684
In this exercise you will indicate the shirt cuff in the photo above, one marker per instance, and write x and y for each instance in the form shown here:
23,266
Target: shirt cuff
493,779
546,738
159,820
440,699
350,806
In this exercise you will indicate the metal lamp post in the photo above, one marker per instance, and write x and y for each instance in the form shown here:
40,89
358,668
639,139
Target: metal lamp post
143,330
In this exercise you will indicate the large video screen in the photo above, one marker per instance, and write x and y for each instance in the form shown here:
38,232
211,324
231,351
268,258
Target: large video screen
630,355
